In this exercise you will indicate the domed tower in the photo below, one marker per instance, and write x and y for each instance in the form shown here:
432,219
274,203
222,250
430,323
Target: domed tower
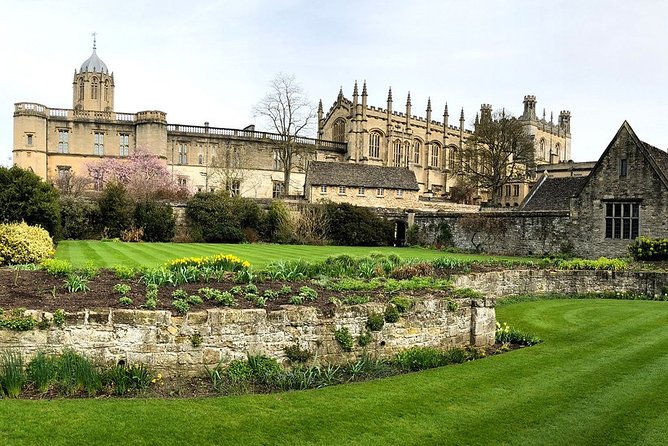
93,85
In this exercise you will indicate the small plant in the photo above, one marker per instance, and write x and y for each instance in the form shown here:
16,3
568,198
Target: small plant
220,297
181,306
260,301
391,313
122,289
151,296
375,321
270,294
57,268
308,293
285,290
16,320
194,299
365,338
355,300
250,297
419,358
251,289
451,305
466,293
196,339
89,270
124,272
41,371
507,334
125,300
12,375
75,283
296,354
297,299
179,294
77,373
245,276
59,317
402,303
344,338
236,290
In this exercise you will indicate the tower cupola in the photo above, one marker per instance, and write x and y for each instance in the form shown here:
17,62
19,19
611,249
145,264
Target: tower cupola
93,85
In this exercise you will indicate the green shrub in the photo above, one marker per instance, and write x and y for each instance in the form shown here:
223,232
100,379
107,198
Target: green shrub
181,306
350,225
122,379
20,243
218,218
391,313
75,283
420,358
59,317
151,296
602,263
296,354
375,321
466,293
77,373
57,267
308,293
80,218
124,272
25,197
238,371
125,300
42,371
263,368
364,338
285,290
116,210
402,303
157,220
507,334
355,300
344,338
645,248
122,289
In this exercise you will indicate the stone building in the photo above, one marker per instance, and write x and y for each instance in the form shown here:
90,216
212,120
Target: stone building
55,142
430,148
361,184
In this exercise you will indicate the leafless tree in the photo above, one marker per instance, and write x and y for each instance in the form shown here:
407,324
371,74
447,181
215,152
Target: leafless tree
288,111
499,151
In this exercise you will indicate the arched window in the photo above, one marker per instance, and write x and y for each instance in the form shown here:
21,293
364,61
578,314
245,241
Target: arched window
453,158
94,88
543,150
339,130
435,153
374,145
557,150
406,154
106,90
416,151
200,159
81,89
397,153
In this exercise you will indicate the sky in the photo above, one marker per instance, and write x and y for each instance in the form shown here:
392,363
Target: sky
212,60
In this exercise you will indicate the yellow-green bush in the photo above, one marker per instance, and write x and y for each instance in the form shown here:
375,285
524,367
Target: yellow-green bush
21,243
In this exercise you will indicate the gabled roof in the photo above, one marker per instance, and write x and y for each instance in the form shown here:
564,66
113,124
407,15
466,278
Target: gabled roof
657,158
552,194
356,175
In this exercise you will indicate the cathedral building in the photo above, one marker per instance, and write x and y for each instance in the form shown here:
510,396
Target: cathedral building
430,148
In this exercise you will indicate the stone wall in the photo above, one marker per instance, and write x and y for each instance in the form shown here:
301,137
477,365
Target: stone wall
515,233
512,282
164,341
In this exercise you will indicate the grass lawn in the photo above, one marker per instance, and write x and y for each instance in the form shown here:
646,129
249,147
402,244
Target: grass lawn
109,254
600,377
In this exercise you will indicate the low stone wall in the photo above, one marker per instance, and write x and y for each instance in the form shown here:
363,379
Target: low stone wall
164,342
513,282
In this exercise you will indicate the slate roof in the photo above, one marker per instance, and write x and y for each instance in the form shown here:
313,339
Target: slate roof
356,175
659,156
552,194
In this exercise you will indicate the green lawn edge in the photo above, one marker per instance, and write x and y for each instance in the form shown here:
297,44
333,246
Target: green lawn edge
599,377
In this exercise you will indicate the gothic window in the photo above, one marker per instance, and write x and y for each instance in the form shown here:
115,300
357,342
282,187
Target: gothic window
622,220
435,154
339,130
516,190
200,159
416,152
94,88
397,153
124,149
98,144
453,158
374,145
542,150
106,90
81,89
183,154
406,154
557,150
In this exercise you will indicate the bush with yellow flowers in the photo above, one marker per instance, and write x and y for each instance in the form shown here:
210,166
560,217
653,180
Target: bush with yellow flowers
225,262
21,243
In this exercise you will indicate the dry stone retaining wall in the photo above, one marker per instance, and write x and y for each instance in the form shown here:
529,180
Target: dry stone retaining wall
164,341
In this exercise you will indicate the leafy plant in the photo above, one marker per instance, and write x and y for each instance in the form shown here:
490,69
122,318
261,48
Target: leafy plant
194,299
75,283
270,294
59,317
16,320
124,272
297,299
125,300
296,354
196,339
507,334
344,338
391,313
236,290
122,289
180,294
42,371
57,267
402,303
355,299
285,290
151,296
181,306
12,375
77,373
364,338
308,293
375,321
